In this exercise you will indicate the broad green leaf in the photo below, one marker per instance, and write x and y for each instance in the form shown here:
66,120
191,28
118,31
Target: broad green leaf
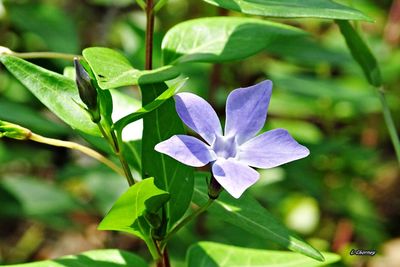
361,53
221,39
140,113
36,197
249,215
93,258
141,198
220,255
325,9
55,91
169,175
129,211
113,70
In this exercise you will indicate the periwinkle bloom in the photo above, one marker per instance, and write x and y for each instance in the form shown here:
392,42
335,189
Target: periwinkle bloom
233,152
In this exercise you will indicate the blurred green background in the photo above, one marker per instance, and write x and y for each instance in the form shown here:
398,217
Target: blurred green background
343,196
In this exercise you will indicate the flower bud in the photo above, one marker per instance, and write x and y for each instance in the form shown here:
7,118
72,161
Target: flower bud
87,91
14,131
214,188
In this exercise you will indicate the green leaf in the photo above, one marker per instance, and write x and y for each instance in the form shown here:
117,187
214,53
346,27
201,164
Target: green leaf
221,39
169,174
325,9
93,258
361,53
140,113
139,199
55,91
220,255
249,215
113,70
129,211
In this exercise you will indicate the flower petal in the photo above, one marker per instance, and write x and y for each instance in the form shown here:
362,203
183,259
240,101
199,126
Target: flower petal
234,176
246,110
187,149
271,149
197,114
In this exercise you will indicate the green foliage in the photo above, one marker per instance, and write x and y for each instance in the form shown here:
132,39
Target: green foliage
55,91
221,39
169,175
319,96
94,258
130,211
140,113
248,214
361,53
141,198
113,70
292,9
220,255
55,28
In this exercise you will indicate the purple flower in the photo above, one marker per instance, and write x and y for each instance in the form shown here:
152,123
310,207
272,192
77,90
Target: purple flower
232,152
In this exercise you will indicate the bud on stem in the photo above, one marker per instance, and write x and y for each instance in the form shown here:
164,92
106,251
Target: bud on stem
14,131
87,91
214,188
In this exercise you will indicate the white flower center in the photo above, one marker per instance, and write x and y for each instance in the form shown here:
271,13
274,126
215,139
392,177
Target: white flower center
225,146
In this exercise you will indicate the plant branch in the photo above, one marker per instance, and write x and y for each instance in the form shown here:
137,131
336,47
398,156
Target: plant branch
52,55
186,220
116,146
389,122
71,145
149,34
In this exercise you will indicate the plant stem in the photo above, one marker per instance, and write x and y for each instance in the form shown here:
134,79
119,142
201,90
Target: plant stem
116,146
186,220
149,34
52,55
71,145
389,122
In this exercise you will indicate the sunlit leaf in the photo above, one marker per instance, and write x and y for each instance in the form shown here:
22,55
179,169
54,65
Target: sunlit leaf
169,174
292,8
249,215
113,70
219,255
140,113
220,39
139,199
55,91
93,258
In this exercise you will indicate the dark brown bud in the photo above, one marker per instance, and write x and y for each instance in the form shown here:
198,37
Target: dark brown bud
87,92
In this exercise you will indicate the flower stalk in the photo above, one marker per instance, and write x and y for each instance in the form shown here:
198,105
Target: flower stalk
30,55
389,122
17,132
186,220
